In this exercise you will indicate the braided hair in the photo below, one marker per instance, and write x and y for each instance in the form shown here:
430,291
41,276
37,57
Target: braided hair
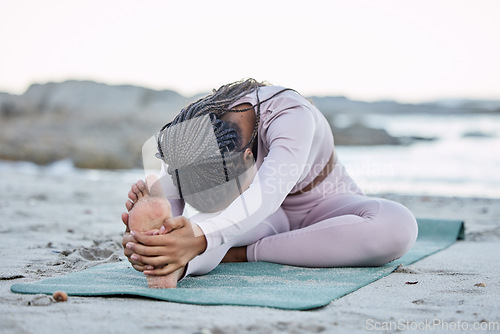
203,152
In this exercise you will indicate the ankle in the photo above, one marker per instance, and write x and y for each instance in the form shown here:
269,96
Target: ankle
236,254
243,254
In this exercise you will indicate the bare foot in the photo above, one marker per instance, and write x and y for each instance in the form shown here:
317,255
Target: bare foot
148,212
166,281
236,254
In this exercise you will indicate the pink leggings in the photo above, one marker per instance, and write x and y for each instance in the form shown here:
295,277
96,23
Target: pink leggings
340,230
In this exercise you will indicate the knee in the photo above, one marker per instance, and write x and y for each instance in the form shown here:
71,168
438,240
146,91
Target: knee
404,224
400,229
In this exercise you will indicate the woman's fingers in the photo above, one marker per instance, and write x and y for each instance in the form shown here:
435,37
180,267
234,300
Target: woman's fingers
169,225
139,267
146,250
165,253
136,264
152,232
152,240
168,269
155,261
128,238
175,223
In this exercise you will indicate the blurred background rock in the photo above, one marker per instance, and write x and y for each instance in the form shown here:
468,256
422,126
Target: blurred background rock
104,126
93,124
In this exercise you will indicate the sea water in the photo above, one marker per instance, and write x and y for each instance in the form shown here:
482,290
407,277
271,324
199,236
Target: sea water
463,160
455,164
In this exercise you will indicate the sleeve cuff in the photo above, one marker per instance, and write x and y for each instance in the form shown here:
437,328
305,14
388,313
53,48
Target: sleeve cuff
210,234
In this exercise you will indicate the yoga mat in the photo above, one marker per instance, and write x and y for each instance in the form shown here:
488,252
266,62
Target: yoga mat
249,284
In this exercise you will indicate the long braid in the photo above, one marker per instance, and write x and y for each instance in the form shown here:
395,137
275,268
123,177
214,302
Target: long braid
219,101
201,150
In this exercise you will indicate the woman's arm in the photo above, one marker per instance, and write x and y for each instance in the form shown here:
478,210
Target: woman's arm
290,136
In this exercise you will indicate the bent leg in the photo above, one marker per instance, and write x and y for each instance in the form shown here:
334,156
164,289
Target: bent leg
206,262
344,230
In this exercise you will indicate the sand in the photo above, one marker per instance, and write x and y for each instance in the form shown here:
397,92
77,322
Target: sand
52,224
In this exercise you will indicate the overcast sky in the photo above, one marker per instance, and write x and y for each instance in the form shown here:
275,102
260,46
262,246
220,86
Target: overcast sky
385,49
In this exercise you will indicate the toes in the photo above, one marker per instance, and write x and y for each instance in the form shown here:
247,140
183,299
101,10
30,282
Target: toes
125,218
133,196
141,186
129,205
139,190
138,193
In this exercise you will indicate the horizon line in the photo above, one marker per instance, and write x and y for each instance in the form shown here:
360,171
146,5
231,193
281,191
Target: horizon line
351,97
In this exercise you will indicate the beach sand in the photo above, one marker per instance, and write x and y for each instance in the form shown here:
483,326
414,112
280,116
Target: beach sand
52,225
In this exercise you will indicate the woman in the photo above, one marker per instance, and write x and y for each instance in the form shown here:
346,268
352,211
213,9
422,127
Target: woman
295,205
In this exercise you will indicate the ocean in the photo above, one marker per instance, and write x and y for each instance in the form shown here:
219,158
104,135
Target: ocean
463,161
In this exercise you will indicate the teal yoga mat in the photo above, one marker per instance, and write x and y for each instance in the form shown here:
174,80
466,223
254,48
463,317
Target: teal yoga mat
249,284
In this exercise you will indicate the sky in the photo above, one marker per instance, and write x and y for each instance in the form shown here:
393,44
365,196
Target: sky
409,51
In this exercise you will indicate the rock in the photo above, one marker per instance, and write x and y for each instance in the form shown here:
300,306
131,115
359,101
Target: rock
41,300
10,105
60,296
359,134
95,125
478,134
87,98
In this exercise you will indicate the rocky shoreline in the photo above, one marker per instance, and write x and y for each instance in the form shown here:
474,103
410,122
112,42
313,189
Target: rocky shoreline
103,126
95,125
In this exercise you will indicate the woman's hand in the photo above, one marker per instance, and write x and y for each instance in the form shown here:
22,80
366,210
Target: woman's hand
127,237
128,253
165,253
